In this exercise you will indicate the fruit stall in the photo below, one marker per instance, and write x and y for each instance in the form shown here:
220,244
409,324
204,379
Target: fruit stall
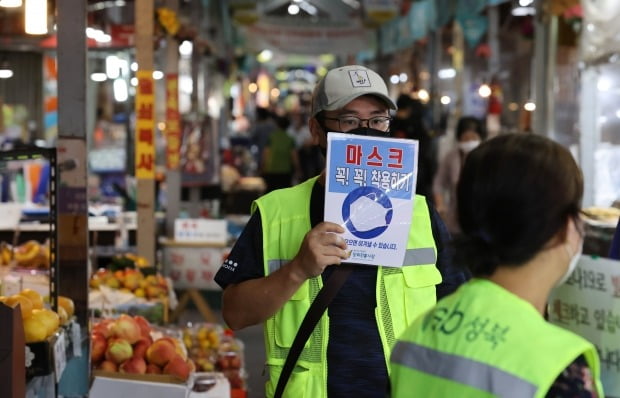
137,347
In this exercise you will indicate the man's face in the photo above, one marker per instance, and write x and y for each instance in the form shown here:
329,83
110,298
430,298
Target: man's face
364,107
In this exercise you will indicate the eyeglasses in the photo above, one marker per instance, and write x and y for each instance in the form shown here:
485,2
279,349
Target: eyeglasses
346,123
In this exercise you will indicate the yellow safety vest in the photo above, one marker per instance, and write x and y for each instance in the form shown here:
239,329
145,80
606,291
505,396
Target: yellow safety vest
483,341
402,293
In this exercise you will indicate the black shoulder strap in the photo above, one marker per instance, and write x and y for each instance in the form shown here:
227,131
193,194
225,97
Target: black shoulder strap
316,310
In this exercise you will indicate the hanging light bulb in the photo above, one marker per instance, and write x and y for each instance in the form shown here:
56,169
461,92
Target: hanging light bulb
36,17
10,3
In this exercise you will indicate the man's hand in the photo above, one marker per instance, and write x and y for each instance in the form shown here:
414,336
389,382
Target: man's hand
322,246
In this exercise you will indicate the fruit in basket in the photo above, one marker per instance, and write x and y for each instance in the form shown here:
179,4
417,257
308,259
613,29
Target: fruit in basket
24,303
49,318
26,253
118,350
160,352
133,365
151,368
126,328
62,315
103,327
139,349
177,366
34,330
108,366
67,304
6,253
98,346
34,296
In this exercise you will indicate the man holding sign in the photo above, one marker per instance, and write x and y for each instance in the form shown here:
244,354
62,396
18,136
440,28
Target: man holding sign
288,251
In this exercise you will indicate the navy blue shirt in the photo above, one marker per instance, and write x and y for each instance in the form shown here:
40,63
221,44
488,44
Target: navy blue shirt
356,363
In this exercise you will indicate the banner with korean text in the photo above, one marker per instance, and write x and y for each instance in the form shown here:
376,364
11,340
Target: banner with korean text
589,305
173,122
370,186
145,125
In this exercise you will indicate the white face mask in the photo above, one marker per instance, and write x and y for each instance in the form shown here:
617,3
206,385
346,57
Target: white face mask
572,264
366,214
468,146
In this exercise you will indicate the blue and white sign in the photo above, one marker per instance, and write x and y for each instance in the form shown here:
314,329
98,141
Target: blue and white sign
370,186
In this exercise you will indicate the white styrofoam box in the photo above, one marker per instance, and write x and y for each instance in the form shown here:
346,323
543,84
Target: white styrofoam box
193,266
201,230
105,387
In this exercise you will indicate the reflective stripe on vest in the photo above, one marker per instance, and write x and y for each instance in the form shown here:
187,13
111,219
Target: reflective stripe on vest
425,255
463,370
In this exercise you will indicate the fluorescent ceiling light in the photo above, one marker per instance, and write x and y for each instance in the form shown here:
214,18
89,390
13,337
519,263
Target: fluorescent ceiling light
10,3
36,17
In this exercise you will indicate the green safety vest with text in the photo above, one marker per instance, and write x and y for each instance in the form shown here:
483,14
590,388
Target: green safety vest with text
483,341
402,293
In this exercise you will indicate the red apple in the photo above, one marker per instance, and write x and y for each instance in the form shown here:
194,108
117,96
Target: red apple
160,352
178,367
151,368
139,349
118,351
108,366
133,365
99,345
126,328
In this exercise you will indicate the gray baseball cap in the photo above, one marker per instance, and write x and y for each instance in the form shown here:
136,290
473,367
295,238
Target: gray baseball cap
344,84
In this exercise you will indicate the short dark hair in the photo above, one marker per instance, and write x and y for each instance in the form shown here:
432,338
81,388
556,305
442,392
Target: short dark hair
515,192
467,123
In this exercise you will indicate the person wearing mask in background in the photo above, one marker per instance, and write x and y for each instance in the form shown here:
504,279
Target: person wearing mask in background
519,200
287,252
409,122
279,160
469,133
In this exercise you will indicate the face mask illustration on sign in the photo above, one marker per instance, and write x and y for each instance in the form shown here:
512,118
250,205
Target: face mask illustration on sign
367,214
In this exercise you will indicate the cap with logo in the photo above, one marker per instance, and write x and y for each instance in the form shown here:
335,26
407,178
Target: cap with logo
344,84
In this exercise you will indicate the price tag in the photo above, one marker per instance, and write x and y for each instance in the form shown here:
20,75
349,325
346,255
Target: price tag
60,356
76,337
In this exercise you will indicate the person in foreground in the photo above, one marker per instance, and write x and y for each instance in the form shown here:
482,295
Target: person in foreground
519,199
287,252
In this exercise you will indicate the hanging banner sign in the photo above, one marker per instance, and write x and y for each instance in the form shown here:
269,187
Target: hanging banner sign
474,27
145,123
404,31
173,123
308,40
589,305
370,186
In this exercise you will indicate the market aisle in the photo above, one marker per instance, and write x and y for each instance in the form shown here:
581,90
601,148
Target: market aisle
254,351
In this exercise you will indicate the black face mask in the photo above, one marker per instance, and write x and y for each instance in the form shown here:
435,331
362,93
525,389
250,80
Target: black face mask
365,131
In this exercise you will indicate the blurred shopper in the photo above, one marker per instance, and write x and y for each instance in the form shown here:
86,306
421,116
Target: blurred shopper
311,162
280,161
469,134
409,122
287,252
264,125
519,203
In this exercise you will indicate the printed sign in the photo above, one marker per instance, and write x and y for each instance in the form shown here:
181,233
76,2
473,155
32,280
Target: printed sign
173,122
589,305
195,267
370,186
145,125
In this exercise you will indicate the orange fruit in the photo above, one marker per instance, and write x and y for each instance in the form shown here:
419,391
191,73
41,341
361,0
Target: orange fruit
48,318
34,296
34,330
62,315
67,304
23,301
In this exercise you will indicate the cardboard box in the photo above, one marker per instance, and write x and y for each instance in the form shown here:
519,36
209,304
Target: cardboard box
193,266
